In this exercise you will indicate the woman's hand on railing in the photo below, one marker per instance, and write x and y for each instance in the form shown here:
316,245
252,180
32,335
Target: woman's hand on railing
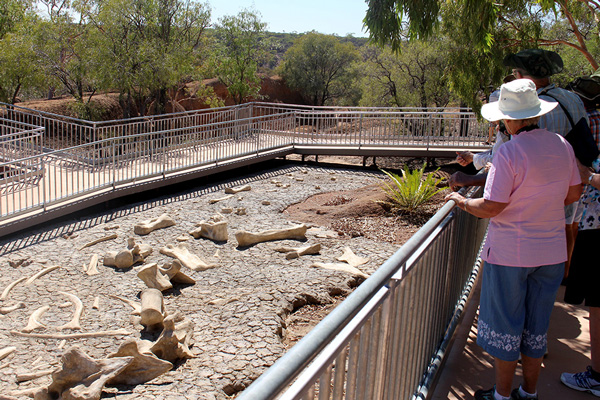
460,179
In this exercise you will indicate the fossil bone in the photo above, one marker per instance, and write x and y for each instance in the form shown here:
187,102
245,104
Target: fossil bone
29,376
187,259
5,352
152,308
137,307
145,227
8,309
74,323
295,252
96,304
34,322
173,272
216,231
7,290
126,258
175,339
144,367
213,201
153,277
341,267
100,240
233,190
92,268
40,274
144,250
248,238
82,335
240,211
352,258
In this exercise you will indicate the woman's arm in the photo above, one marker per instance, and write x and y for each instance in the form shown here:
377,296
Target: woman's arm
573,194
481,208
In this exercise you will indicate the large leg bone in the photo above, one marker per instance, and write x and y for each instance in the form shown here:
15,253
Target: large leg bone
352,258
145,227
175,339
213,201
231,190
74,323
216,231
34,322
152,308
187,259
6,291
83,335
40,274
153,277
8,309
248,238
102,239
295,252
341,267
144,367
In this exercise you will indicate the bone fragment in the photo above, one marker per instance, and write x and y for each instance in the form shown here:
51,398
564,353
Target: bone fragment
248,238
341,267
31,392
74,323
137,307
92,268
227,210
187,259
152,308
8,309
144,250
82,335
295,252
5,352
153,277
64,305
352,258
216,231
96,304
61,344
175,339
173,271
213,201
238,189
7,290
40,274
34,322
240,211
265,203
100,240
145,227
144,367
29,376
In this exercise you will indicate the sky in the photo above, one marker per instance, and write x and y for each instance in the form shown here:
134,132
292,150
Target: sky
339,17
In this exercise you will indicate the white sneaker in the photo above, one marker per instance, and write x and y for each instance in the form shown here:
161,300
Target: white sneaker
582,381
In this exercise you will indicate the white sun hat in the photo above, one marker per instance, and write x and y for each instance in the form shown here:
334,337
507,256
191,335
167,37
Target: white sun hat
518,100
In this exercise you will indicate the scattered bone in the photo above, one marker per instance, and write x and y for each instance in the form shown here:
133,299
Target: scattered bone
8,309
92,268
187,259
323,234
5,352
61,344
126,258
175,339
341,267
74,323
19,262
318,187
240,211
182,239
295,252
248,238
81,377
213,201
100,240
31,392
29,376
173,271
64,305
275,181
152,308
96,304
144,367
153,277
299,179
40,274
265,203
226,210
6,291
34,322
137,307
333,178
352,258
304,171
144,250
145,227
82,335
110,228
216,231
239,189
217,254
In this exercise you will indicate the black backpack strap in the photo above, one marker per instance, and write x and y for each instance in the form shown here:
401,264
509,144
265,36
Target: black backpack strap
546,93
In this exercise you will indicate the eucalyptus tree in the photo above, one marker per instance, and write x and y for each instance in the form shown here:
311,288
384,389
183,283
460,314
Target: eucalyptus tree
320,67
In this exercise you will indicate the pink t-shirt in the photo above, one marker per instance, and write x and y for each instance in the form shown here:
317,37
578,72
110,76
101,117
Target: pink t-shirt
532,173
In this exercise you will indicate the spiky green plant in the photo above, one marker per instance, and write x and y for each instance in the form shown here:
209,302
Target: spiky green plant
410,191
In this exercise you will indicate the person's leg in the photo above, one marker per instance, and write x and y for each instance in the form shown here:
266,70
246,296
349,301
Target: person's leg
531,372
595,337
570,232
504,371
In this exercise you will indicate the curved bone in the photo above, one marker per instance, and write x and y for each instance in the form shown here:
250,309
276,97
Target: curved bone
144,367
137,307
213,201
82,335
248,238
143,250
232,190
92,268
41,273
152,308
173,272
6,291
100,240
216,231
145,227
341,267
187,259
175,339
34,319
153,277
74,323
295,252
352,258
8,309
5,352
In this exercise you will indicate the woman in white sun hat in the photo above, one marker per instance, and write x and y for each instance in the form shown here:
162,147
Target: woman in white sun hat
533,176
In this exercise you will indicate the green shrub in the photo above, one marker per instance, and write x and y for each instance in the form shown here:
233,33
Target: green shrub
410,191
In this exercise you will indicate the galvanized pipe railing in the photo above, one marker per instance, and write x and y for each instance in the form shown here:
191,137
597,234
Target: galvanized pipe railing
378,343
